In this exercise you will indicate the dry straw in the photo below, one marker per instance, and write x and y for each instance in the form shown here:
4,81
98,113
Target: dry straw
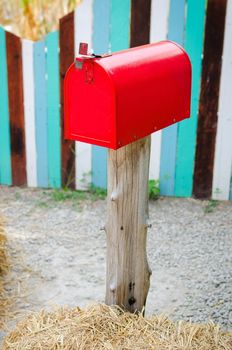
14,274
104,327
32,19
4,258
5,301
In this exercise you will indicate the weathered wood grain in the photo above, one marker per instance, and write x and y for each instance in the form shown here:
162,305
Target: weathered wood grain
208,108
140,22
66,42
223,151
16,109
128,273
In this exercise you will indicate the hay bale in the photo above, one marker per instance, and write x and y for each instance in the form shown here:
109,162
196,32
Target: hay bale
4,258
104,327
5,300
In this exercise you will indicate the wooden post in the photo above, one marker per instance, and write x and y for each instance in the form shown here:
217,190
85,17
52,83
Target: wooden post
128,273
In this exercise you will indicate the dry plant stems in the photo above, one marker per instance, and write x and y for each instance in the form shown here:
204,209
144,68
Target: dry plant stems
4,257
104,327
32,19
13,284
5,301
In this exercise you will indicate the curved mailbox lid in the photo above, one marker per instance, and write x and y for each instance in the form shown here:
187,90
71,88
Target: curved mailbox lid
133,93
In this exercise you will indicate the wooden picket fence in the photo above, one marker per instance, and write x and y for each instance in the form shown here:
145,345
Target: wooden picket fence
193,158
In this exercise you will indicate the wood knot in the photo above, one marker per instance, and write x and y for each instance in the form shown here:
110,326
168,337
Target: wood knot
112,287
148,225
113,196
131,301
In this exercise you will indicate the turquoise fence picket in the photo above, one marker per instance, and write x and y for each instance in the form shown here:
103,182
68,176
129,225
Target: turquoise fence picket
187,129
120,25
5,155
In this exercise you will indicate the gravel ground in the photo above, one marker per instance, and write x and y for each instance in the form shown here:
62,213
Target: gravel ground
63,248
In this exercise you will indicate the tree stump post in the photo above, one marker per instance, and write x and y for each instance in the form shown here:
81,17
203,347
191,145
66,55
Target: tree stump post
128,273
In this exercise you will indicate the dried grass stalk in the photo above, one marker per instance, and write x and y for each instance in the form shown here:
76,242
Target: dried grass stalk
3,255
104,327
5,301
14,273
32,19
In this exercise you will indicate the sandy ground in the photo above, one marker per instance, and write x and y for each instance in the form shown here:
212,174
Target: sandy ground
58,252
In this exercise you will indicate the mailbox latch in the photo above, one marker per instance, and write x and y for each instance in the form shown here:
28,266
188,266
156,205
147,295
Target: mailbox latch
85,61
89,71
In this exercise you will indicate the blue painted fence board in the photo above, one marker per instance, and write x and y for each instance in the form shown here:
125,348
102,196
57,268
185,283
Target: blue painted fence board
169,135
5,157
41,113
53,110
101,35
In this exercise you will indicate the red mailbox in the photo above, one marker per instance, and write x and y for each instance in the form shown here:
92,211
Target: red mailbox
116,99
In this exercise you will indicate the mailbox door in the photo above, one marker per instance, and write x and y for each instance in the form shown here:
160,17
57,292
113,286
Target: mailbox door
89,104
